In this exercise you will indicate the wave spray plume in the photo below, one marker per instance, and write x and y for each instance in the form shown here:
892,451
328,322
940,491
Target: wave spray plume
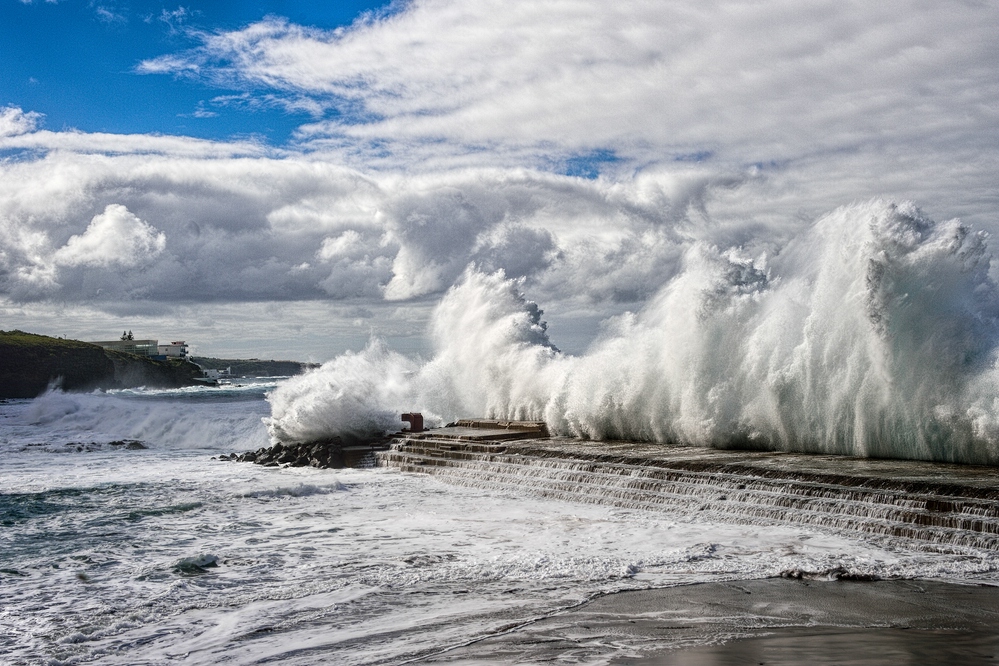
874,333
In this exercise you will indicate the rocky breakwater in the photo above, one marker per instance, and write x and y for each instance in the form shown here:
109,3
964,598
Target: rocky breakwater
928,505
333,453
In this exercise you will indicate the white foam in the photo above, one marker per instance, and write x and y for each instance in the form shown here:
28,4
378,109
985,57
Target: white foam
353,395
874,333
112,556
56,419
297,490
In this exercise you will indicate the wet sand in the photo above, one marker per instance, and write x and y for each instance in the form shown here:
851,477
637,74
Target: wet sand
771,621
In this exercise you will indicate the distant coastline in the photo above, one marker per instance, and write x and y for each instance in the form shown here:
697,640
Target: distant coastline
254,367
30,363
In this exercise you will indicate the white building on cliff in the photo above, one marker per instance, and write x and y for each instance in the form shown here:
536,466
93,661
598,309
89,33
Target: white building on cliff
173,350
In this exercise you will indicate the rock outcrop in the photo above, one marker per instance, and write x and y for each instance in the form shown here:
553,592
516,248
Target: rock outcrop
326,454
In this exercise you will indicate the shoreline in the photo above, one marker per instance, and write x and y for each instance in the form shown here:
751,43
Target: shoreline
771,620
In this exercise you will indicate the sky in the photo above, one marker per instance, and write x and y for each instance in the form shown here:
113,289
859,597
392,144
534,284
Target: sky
286,180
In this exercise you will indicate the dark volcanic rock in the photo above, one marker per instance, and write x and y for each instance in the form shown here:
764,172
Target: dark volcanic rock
330,453
29,363
130,444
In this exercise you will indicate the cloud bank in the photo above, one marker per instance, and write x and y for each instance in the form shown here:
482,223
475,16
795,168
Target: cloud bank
286,229
768,81
581,146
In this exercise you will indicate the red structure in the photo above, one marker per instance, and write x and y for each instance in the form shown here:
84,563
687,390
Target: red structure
415,420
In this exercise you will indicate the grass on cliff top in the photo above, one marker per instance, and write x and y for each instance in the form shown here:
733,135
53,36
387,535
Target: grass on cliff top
29,341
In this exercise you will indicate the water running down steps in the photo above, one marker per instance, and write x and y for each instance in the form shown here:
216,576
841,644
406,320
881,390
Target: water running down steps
928,504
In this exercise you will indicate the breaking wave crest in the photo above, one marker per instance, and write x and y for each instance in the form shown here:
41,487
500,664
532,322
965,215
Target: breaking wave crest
874,333
93,421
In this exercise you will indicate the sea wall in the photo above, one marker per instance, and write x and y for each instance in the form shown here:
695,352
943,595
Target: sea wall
926,505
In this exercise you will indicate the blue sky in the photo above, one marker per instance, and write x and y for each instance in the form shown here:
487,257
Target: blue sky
291,179
75,61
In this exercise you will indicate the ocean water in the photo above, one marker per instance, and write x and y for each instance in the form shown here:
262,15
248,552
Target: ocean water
162,555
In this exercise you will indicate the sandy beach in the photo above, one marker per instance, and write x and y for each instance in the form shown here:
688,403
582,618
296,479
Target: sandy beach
770,621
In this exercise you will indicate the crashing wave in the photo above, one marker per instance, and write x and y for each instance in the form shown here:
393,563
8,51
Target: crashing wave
874,333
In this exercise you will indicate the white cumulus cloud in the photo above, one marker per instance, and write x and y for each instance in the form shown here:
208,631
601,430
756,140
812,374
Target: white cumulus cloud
579,146
749,82
14,121
116,237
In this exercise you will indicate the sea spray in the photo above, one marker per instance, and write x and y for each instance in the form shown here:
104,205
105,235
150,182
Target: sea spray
492,352
492,356
355,395
873,333
167,420
863,336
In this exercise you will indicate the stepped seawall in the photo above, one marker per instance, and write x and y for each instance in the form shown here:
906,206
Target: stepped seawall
932,505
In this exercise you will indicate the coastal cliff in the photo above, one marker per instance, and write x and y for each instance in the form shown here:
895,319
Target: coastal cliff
29,363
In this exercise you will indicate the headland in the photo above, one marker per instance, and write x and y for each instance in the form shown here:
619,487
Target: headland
30,363
253,367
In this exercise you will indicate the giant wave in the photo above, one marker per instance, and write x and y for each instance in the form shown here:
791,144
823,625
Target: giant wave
873,333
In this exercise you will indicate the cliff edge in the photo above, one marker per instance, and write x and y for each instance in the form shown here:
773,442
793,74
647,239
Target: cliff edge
30,362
